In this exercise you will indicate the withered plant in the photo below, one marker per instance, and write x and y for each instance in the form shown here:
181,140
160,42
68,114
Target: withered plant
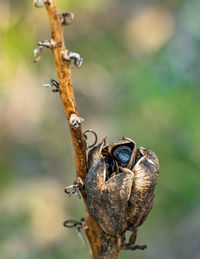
116,180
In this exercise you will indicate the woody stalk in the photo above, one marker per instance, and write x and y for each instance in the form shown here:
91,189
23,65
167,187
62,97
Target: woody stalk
64,60
117,181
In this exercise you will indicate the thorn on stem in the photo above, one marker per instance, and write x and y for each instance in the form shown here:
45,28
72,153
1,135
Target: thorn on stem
52,84
71,189
35,53
75,188
79,226
41,44
47,43
73,58
41,3
71,223
75,121
95,136
66,18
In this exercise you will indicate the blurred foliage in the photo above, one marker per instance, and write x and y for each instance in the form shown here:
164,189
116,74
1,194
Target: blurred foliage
140,79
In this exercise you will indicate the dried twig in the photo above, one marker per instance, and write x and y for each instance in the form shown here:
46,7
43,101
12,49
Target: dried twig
123,201
63,60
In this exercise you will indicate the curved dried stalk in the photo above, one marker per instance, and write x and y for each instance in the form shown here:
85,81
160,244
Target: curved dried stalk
56,44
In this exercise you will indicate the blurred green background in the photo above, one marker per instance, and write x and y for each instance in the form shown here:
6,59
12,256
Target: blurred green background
140,79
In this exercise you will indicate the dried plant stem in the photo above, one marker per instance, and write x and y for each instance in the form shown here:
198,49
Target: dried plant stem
66,92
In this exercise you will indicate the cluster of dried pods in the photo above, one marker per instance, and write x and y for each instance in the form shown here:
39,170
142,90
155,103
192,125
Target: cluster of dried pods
120,187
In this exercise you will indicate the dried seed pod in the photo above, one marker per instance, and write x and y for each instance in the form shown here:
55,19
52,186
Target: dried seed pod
123,151
107,199
145,171
120,187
